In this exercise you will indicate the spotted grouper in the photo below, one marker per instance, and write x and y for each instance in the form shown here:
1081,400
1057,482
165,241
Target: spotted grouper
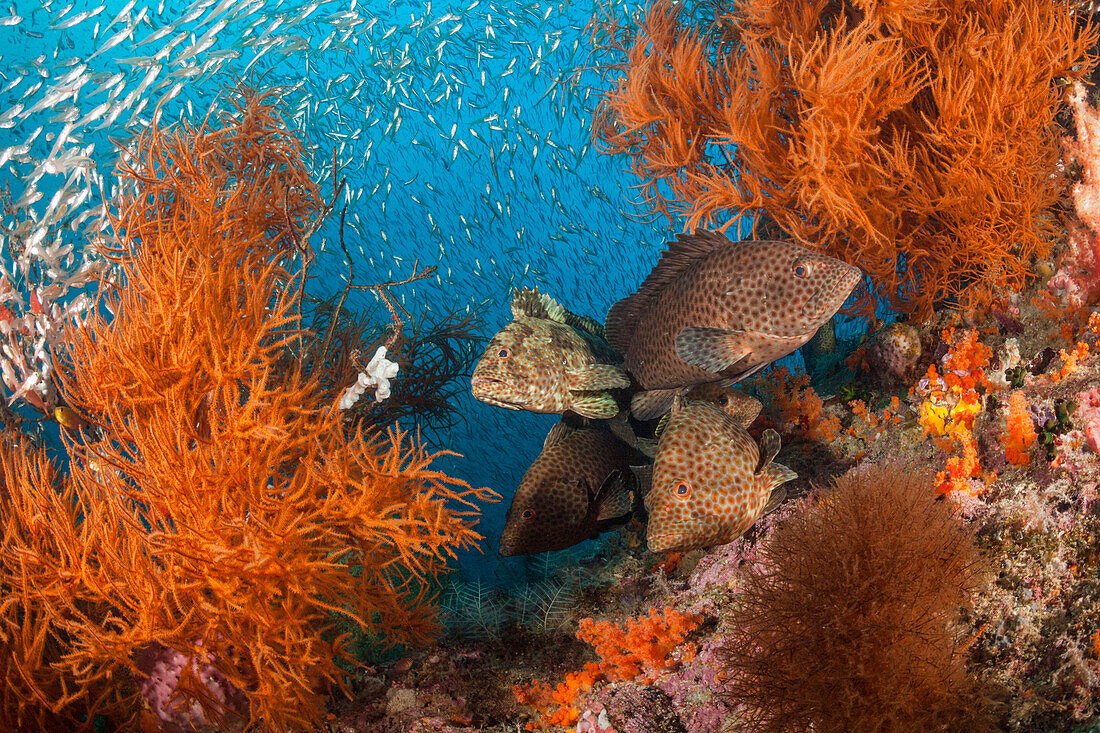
549,360
714,310
580,485
710,481
741,407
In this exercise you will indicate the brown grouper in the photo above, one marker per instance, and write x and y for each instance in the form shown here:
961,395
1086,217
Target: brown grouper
549,360
580,485
709,481
714,310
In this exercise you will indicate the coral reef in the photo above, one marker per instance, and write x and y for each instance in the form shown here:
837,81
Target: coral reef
915,139
953,590
214,503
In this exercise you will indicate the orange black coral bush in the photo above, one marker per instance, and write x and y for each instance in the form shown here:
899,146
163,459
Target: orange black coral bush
850,619
916,139
216,504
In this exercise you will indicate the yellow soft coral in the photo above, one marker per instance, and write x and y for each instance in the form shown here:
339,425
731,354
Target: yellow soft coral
954,400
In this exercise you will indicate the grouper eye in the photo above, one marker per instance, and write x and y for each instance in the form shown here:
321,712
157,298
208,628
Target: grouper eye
682,490
801,270
527,513
504,353
724,400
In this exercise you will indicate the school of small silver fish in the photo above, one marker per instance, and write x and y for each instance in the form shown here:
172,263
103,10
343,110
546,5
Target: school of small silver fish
580,484
456,123
471,90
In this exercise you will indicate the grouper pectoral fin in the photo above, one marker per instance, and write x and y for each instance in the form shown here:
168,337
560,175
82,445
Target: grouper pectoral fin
774,500
712,349
596,405
621,428
775,475
653,403
647,447
769,449
614,499
593,377
644,476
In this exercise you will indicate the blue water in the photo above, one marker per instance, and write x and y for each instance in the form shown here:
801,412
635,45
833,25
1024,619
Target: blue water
463,129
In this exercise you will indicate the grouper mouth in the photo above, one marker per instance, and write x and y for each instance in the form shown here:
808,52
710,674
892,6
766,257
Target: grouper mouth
480,386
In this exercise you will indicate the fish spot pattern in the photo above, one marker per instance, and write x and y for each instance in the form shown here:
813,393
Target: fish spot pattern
706,449
706,280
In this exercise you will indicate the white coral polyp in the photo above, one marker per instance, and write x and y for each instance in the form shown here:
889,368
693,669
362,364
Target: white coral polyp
378,375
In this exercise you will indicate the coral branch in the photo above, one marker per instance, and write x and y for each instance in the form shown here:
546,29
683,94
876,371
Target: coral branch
222,514
915,139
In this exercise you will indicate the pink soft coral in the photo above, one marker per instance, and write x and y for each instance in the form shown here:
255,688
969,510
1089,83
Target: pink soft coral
1078,276
1088,411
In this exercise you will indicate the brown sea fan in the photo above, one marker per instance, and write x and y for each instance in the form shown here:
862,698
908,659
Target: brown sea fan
849,622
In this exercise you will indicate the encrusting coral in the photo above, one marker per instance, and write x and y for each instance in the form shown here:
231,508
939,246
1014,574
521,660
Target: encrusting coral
849,621
216,504
915,139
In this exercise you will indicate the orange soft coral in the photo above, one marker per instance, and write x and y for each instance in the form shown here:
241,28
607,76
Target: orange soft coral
1019,431
914,139
558,705
641,646
225,510
965,364
956,398
1070,361
797,408
961,469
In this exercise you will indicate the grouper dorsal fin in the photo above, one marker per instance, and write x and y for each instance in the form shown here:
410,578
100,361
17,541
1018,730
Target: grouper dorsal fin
533,304
585,323
530,303
557,434
680,255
